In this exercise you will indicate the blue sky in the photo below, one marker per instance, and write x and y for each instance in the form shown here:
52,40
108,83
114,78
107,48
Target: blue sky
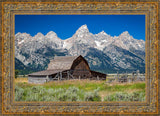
66,25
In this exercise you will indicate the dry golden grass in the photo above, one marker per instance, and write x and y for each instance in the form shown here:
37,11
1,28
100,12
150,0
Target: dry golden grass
21,80
117,83
74,82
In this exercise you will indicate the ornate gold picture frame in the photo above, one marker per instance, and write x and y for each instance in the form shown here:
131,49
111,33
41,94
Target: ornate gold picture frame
10,9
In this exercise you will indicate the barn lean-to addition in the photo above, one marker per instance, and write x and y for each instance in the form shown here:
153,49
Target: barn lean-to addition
66,68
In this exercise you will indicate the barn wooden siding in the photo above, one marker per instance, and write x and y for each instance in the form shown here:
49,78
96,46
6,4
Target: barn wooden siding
98,76
81,69
37,80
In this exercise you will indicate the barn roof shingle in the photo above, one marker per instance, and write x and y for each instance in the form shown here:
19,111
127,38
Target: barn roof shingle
61,62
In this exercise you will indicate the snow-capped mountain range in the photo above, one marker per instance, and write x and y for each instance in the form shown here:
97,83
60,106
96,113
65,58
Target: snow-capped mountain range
103,52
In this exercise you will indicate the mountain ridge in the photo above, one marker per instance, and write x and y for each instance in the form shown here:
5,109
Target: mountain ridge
37,50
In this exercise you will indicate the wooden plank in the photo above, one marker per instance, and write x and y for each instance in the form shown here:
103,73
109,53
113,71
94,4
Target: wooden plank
68,74
60,74
71,75
97,77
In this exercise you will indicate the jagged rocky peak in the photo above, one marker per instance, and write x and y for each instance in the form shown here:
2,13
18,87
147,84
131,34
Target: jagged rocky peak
51,34
102,33
84,27
125,36
82,30
125,33
17,34
22,35
39,35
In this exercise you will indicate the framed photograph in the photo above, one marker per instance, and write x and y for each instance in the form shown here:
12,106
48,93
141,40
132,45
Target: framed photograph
79,57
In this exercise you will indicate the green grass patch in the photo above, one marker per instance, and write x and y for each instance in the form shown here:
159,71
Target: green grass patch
75,90
123,96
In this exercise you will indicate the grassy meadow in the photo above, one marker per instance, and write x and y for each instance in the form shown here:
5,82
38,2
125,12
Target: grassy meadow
78,90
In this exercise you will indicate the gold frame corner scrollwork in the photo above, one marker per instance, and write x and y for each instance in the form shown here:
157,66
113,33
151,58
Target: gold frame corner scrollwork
149,9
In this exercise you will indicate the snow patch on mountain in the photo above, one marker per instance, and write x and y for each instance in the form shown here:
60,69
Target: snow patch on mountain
99,45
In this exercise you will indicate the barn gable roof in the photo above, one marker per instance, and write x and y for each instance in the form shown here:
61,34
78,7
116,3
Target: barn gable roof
62,62
58,64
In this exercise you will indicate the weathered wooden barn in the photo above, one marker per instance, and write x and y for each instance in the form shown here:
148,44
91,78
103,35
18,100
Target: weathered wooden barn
65,68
